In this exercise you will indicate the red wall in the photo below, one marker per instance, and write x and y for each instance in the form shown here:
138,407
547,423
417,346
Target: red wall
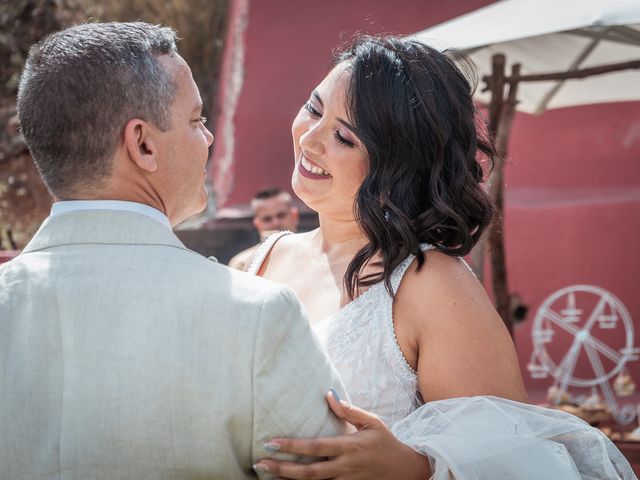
573,211
573,181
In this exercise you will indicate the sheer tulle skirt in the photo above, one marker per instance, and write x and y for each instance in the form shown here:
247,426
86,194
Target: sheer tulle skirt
488,438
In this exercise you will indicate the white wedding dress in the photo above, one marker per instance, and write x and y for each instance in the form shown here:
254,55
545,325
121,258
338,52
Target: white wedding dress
464,438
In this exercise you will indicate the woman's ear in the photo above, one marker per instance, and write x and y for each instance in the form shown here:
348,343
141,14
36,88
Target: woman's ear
140,145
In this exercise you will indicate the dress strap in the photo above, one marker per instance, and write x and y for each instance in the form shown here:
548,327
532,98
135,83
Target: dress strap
263,251
398,273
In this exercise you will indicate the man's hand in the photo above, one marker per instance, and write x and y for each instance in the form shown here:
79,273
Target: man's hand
371,452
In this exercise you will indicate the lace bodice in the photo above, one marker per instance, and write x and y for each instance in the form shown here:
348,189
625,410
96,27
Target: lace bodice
360,340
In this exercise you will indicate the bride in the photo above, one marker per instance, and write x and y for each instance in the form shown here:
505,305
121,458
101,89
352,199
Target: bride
388,151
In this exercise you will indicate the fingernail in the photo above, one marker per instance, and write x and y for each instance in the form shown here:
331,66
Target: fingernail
271,447
260,467
334,394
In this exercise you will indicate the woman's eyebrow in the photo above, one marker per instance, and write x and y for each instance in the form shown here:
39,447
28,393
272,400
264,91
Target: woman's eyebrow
348,125
316,95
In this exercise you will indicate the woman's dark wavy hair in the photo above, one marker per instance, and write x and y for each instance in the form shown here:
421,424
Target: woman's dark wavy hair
412,109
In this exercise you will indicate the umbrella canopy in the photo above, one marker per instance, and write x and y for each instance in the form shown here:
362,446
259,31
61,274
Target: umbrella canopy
547,36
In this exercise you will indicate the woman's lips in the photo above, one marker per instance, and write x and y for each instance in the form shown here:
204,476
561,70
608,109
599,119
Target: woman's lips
311,170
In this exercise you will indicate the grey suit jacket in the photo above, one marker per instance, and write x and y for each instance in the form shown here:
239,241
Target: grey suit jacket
124,355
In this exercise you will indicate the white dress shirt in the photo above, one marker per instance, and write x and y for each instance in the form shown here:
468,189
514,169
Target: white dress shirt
75,205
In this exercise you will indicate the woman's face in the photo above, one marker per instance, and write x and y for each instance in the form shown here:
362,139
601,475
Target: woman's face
330,161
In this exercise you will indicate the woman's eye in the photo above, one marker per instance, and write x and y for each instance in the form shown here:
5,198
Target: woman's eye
309,108
343,140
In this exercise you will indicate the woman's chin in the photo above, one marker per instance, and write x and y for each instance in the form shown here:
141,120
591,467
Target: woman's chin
298,186
303,193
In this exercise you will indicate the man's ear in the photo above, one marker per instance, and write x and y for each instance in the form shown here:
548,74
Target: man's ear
140,145
256,223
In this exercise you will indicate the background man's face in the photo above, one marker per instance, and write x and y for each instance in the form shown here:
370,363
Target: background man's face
275,214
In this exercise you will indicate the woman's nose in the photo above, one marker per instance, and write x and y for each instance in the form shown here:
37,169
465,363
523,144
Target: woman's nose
311,141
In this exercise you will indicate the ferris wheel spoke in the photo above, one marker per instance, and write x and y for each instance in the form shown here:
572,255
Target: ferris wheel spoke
594,359
556,319
568,364
622,415
599,371
603,349
597,311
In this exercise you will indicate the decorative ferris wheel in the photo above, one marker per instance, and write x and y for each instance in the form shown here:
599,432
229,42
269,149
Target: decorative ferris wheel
599,330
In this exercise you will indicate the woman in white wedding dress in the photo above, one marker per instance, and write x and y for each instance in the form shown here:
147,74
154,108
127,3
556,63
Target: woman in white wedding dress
387,151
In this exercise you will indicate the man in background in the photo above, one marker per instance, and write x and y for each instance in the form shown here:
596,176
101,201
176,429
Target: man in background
273,211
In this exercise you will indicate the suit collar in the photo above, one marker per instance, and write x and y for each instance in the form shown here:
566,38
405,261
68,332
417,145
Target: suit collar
67,206
101,227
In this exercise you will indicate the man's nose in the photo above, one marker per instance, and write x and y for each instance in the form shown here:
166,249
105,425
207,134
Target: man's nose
209,136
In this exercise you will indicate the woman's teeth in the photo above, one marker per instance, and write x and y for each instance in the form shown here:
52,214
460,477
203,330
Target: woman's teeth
312,168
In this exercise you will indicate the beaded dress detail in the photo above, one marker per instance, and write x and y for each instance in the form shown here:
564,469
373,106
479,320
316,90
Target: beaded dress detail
361,342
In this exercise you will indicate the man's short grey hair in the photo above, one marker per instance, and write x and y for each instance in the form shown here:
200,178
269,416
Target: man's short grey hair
80,87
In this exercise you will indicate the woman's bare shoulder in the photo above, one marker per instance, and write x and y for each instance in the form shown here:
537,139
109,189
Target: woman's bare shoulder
291,243
286,249
444,296
441,278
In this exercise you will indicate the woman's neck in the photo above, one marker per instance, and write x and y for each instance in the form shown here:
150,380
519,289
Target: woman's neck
338,238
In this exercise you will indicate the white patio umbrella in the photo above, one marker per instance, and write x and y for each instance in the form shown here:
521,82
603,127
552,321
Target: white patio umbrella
562,53
547,36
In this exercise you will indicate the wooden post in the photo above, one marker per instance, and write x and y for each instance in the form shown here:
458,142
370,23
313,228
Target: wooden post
497,92
496,84
501,114
499,278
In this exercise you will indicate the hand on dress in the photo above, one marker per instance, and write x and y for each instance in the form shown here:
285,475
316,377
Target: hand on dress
371,452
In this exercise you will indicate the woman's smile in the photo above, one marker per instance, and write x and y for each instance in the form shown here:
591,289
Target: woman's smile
310,170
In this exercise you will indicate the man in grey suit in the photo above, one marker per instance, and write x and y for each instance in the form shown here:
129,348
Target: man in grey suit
124,355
